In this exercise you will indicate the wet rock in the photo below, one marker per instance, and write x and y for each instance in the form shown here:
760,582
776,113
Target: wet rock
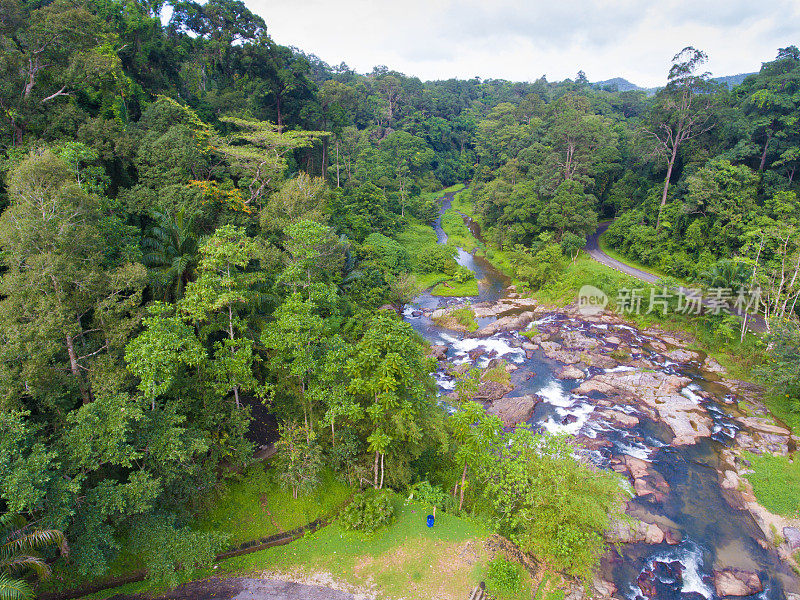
631,531
729,480
661,391
601,361
792,537
575,339
569,420
612,339
712,366
736,582
570,372
490,391
620,418
438,351
763,425
509,323
682,356
514,411
529,354
602,589
477,352
416,313
658,346
672,537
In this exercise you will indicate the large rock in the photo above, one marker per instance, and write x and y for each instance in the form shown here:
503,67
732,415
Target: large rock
736,582
620,418
660,391
631,531
712,366
601,361
490,391
554,351
570,372
763,425
575,339
514,411
508,323
438,351
792,537
682,356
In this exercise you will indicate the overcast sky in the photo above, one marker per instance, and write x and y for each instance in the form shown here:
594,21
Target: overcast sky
521,41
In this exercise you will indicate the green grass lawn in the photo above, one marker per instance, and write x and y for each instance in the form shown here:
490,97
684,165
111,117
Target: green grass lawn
776,483
428,280
462,316
453,288
407,559
256,505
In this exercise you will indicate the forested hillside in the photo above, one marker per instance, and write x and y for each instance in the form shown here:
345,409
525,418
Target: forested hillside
198,223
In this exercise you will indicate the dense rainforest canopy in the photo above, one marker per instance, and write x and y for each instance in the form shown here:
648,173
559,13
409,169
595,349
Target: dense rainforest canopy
197,221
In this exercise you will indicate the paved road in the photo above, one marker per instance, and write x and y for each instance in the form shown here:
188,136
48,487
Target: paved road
241,588
592,248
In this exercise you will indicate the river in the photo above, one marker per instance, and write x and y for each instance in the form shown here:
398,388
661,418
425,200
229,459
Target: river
685,499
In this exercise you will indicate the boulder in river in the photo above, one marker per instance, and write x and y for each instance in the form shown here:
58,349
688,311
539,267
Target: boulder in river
631,531
508,323
682,356
491,391
736,582
438,351
516,410
688,420
570,372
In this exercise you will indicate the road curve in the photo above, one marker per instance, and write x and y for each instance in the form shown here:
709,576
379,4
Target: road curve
592,248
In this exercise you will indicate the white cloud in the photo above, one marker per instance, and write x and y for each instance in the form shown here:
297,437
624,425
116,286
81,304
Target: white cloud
517,40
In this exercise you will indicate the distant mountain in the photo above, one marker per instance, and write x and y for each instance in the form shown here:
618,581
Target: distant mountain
731,80
623,85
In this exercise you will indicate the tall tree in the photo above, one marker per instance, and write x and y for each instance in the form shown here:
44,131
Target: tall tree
682,112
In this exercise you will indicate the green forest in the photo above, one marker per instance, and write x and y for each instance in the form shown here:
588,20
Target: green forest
201,227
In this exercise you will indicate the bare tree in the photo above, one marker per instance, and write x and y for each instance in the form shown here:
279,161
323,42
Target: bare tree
682,111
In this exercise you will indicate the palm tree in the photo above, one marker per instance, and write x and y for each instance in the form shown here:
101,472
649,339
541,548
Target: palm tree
170,250
19,545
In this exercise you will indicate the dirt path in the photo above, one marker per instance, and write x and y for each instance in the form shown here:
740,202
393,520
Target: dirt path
592,248
242,588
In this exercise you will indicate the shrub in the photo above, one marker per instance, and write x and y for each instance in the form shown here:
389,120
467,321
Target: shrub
463,274
368,512
503,576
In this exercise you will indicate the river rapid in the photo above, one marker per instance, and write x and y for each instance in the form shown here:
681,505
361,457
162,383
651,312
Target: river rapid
644,406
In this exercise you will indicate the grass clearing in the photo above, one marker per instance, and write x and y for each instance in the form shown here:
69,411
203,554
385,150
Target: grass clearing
461,318
406,559
454,288
776,483
256,505
458,233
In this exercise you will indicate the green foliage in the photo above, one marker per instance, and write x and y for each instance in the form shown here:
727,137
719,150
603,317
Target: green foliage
299,458
368,511
167,550
552,504
503,576
20,555
451,288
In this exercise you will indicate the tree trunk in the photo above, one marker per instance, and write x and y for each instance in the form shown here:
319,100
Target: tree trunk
380,487
337,163
278,108
75,369
230,333
375,483
764,153
666,184
463,481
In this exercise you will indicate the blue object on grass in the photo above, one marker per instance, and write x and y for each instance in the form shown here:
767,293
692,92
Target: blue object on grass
430,520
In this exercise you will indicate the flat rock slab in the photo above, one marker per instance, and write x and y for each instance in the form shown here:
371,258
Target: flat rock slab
242,588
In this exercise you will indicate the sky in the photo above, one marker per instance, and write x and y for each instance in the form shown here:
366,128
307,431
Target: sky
521,41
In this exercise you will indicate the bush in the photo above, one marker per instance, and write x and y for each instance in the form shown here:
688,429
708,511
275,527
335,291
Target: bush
437,259
368,512
463,274
503,576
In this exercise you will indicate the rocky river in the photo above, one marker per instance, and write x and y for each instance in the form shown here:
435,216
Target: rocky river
645,405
